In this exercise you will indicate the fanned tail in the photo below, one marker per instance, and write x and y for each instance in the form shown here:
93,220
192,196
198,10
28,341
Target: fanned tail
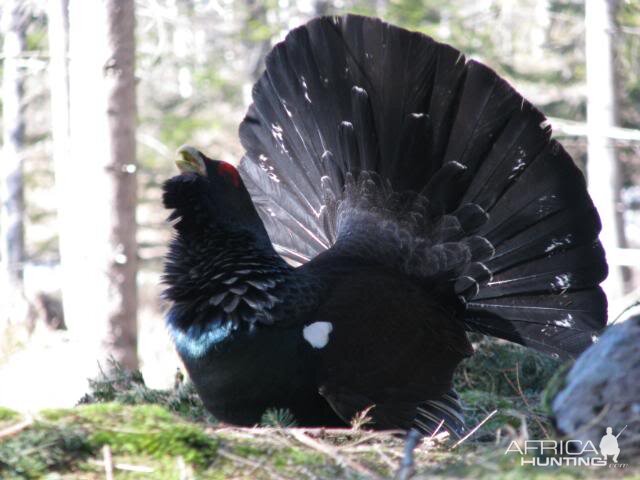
388,145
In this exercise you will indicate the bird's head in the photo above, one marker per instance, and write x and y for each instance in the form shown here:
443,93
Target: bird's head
209,194
194,161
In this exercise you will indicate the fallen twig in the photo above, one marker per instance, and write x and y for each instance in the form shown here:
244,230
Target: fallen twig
526,402
125,467
17,428
247,462
108,463
366,438
385,458
329,450
459,442
184,473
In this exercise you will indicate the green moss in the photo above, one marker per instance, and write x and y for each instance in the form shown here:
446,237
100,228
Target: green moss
161,469
246,449
7,415
67,436
146,429
298,457
43,448
55,414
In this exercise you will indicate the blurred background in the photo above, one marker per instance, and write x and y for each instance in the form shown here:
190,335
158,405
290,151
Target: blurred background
98,94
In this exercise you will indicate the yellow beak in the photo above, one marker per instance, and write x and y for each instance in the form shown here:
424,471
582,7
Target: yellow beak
191,161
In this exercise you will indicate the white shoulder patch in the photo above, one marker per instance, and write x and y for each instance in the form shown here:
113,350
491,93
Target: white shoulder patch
317,334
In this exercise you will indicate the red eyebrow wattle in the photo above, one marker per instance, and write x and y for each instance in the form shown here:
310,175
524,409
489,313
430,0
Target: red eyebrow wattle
228,170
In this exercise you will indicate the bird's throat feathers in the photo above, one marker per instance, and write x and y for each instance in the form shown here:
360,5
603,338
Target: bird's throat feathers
219,282
219,202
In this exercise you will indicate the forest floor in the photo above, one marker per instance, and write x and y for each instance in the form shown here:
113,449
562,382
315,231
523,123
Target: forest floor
121,429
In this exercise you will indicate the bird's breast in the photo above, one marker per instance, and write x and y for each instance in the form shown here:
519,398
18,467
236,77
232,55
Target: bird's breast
249,373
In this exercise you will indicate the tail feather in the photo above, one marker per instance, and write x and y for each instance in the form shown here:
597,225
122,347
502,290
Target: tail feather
449,79
294,223
553,340
565,322
573,310
444,187
565,229
486,104
414,142
444,413
518,144
551,274
385,144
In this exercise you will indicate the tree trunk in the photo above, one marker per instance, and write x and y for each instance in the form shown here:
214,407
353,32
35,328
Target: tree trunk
100,293
602,165
58,32
321,7
13,307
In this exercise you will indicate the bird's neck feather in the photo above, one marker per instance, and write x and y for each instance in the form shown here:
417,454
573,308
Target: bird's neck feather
221,281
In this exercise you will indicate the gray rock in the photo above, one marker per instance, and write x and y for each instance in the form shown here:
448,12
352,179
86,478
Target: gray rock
602,390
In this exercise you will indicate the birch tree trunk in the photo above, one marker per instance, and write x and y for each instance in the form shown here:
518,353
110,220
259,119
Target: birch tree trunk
602,165
13,307
100,288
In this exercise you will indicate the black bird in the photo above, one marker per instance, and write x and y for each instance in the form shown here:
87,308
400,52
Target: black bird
393,197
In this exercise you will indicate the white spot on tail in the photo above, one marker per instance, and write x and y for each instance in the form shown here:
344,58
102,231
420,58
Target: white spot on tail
317,334
559,242
565,322
561,282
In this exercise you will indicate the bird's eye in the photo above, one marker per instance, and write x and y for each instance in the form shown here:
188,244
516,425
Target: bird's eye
229,171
